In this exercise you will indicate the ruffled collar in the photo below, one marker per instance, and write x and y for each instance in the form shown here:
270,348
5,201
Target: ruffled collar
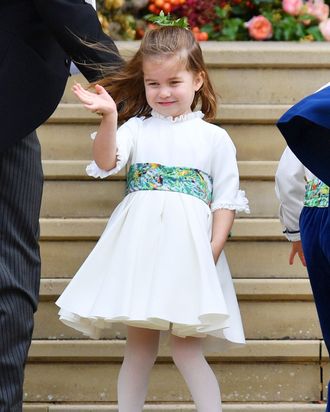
182,118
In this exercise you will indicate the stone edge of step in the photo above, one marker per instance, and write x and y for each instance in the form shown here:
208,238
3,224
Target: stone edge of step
76,170
91,229
112,350
246,289
255,54
227,113
237,407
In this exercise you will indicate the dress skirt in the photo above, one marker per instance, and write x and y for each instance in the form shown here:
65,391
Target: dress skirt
153,268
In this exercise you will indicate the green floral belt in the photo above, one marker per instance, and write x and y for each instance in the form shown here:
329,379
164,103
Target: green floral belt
317,194
153,176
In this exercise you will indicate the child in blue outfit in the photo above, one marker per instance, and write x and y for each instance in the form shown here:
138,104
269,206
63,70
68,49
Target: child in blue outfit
306,128
159,265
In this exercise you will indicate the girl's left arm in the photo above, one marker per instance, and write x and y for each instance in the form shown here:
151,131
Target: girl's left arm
223,220
227,199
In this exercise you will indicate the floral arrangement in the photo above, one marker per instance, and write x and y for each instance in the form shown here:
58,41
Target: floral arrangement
279,20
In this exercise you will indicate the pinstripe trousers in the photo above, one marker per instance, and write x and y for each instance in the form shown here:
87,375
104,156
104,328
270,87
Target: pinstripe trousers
21,181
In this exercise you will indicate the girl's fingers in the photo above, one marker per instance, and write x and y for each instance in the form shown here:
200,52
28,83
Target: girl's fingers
77,88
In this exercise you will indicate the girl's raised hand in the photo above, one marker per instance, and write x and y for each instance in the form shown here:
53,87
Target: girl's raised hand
100,102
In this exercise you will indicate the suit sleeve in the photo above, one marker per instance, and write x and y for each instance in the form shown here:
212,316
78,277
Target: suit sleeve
75,25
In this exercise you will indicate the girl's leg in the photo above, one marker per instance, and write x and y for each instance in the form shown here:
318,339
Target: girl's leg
188,357
140,355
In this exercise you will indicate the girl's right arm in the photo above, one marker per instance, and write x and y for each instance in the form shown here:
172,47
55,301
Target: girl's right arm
104,146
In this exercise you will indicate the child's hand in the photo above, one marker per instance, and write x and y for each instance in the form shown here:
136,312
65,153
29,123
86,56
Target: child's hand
297,249
100,102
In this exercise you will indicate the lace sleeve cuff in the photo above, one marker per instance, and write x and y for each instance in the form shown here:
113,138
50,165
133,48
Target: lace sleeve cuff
240,203
93,170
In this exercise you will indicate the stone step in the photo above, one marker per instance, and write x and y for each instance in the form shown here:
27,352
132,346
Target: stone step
60,351
267,258
270,309
179,407
256,249
96,382
252,128
91,229
260,372
284,72
76,170
246,289
68,192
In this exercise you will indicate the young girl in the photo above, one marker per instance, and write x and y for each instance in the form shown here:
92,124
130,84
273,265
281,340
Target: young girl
159,265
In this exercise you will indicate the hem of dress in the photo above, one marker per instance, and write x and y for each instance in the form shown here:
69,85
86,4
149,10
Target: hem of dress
94,327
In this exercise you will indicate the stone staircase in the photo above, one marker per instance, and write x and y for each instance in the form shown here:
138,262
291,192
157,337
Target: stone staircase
284,366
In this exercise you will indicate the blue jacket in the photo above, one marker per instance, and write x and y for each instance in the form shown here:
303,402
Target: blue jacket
306,128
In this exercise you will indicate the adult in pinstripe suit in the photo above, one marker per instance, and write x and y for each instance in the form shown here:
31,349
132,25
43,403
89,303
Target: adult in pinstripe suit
37,40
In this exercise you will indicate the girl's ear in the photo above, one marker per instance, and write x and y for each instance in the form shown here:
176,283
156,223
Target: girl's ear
199,80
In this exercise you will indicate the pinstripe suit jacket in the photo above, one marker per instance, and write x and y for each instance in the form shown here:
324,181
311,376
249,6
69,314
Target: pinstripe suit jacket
37,40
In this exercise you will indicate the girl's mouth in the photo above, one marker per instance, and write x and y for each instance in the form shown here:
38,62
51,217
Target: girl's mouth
166,103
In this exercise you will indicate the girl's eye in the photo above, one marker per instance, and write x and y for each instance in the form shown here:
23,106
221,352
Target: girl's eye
152,84
176,82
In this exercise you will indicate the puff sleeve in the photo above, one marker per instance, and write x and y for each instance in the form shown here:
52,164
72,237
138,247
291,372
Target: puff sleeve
125,141
224,171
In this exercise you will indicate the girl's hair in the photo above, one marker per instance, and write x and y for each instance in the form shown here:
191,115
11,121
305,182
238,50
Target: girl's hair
127,85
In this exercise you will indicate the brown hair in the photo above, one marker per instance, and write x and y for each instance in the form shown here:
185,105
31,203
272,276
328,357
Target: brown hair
127,86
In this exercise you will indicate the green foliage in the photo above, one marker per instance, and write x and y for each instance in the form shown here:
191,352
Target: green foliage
231,22
167,20
222,20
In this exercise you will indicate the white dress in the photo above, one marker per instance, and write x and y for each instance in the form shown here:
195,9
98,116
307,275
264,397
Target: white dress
153,265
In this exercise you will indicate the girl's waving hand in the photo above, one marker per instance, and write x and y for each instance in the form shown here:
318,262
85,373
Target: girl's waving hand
100,102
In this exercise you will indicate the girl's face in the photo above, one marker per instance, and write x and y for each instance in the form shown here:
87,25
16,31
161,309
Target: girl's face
169,87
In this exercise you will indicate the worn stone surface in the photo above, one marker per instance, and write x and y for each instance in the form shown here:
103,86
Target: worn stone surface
81,199
262,259
276,86
261,320
112,350
94,382
69,141
99,198
246,289
92,227
179,407
247,259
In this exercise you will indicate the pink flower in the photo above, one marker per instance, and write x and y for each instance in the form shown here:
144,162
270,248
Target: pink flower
292,7
324,27
259,28
318,9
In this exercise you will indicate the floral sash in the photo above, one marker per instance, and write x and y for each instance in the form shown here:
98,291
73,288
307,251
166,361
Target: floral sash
154,176
317,194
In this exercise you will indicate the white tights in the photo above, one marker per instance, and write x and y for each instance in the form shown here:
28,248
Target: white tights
140,355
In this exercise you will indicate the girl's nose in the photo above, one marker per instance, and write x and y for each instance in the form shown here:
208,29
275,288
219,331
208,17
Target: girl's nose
164,92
